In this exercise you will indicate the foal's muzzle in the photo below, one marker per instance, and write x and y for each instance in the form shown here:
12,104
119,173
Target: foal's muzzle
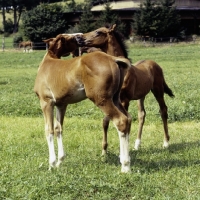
80,40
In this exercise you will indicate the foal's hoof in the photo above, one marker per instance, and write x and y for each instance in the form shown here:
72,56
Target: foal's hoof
165,144
104,152
52,165
126,169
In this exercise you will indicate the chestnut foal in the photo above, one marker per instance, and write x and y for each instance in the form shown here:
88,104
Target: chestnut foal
96,76
143,77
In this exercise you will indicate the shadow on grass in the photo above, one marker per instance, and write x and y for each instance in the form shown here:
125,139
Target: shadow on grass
111,159
179,155
158,159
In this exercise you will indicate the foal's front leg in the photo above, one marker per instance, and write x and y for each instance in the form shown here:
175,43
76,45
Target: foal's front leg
47,108
60,113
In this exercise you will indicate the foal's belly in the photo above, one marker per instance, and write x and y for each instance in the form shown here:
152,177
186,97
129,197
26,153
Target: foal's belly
76,96
72,96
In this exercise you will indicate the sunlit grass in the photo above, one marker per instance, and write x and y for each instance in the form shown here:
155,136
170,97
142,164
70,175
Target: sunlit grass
157,173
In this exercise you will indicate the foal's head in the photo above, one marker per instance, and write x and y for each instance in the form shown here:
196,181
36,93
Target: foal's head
103,38
62,45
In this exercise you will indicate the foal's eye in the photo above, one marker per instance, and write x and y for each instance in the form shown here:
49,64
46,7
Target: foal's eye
98,32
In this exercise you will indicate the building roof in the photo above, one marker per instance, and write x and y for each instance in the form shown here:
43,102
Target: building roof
135,4
118,5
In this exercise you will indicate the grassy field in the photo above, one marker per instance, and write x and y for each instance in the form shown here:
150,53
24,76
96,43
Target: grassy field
157,173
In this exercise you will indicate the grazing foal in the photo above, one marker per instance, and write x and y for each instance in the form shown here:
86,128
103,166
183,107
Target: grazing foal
96,76
26,45
143,77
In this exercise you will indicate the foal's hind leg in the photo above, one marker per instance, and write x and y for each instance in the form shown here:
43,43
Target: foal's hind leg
122,124
141,119
164,116
106,121
60,112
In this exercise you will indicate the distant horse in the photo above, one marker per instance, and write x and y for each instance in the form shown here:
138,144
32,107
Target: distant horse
26,45
142,77
96,76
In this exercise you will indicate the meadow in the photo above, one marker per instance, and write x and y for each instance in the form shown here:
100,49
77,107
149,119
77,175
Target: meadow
157,173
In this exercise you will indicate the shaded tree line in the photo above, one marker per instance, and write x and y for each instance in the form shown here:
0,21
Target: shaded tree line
16,7
48,20
157,19
45,19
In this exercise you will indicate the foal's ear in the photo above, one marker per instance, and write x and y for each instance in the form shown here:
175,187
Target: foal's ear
62,39
112,28
48,40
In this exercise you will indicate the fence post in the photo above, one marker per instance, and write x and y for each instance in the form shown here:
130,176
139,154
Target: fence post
3,43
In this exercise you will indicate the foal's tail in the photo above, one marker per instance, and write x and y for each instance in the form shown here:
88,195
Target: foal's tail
167,90
123,62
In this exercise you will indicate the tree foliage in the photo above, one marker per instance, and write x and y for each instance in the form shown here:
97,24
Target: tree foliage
73,6
108,17
44,21
157,19
87,22
17,7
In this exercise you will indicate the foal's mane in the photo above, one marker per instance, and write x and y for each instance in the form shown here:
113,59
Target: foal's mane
120,39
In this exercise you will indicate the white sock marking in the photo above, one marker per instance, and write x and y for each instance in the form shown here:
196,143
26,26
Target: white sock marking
61,154
124,152
137,144
52,155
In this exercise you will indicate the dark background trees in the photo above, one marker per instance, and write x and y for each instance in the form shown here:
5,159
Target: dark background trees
16,7
44,21
48,20
44,18
106,18
157,19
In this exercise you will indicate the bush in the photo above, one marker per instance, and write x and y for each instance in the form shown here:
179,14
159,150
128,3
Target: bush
157,19
17,39
9,26
44,21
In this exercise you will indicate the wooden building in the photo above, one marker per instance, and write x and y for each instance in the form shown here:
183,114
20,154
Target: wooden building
189,11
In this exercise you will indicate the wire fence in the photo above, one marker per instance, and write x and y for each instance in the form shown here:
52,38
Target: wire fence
7,45
150,41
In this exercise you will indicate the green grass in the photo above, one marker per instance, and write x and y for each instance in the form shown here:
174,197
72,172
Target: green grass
157,173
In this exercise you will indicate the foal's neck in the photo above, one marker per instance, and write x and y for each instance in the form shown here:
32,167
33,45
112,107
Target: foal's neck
114,47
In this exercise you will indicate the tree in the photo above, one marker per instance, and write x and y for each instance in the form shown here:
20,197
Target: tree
44,21
17,7
3,7
144,19
156,19
73,6
87,22
108,17
169,19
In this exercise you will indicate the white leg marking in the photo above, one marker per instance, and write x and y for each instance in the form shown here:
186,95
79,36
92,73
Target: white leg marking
137,144
124,152
52,155
61,153
165,144
104,152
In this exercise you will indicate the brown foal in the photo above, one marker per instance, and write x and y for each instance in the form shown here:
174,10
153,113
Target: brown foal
97,76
